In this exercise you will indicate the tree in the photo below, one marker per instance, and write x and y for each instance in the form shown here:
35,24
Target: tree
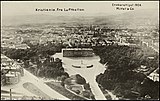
33,69
154,34
92,96
62,84
86,86
63,78
41,72
59,78
65,74
26,64
77,91
86,93
99,78
80,79
118,90
139,77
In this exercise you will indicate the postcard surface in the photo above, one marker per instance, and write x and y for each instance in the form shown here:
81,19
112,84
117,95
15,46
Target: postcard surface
79,50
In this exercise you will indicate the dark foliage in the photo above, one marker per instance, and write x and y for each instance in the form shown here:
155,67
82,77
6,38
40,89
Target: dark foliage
34,56
80,79
120,75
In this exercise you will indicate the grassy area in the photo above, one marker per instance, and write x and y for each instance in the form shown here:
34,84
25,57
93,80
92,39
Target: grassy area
57,87
35,90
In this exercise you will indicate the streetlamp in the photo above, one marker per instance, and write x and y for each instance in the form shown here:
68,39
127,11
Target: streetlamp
10,92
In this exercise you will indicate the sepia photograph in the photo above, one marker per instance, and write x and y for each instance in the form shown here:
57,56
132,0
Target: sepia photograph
80,50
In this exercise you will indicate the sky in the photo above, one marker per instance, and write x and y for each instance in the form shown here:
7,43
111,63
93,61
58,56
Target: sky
12,8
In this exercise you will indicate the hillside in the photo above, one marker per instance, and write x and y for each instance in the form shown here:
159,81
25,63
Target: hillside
133,19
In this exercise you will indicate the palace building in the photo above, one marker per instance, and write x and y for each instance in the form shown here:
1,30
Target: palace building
77,52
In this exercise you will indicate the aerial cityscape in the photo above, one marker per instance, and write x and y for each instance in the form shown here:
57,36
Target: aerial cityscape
102,55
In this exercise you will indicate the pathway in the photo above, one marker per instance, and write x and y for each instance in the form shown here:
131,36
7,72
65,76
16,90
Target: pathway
28,77
88,73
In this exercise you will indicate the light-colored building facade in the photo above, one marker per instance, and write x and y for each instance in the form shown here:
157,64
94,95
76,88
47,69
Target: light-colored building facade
11,71
77,52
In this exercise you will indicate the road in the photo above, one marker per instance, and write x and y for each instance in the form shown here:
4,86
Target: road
28,77
88,73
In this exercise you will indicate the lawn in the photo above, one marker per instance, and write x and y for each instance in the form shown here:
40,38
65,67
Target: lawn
35,90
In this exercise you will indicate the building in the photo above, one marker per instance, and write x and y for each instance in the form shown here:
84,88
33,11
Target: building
5,60
154,75
11,71
12,77
3,77
77,52
21,46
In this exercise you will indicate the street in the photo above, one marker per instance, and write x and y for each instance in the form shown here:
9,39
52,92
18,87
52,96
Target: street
28,77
